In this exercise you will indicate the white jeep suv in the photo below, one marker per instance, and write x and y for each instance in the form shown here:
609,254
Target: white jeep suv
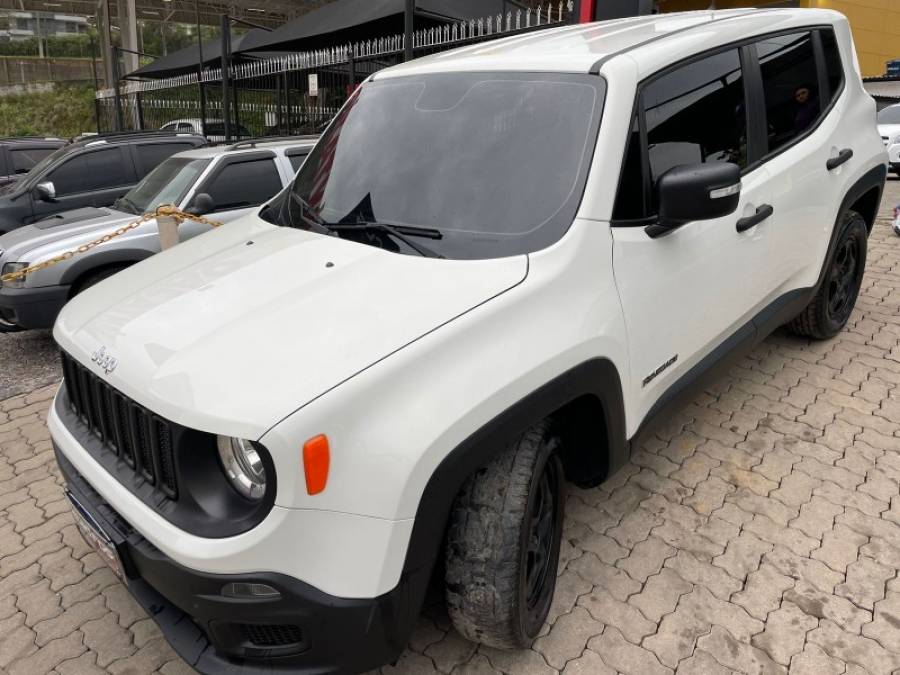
497,268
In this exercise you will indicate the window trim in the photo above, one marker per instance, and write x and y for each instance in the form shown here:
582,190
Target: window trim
753,92
217,170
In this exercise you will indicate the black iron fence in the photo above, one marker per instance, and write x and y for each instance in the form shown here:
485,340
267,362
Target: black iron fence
298,93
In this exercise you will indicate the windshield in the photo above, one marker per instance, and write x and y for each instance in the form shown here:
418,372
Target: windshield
495,162
889,115
166,184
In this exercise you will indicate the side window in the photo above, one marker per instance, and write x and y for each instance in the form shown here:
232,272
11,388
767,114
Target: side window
297,158
23,160
185,126
834,69
106,169
790,88
68,177
630,199
243,184
152,154
167,127
697,114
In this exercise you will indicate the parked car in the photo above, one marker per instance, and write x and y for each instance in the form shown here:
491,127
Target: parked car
222,182
214,129
91,172
889,128
18,155
497,270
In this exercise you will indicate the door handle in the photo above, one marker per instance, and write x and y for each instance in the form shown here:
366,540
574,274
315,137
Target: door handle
843,156
761,214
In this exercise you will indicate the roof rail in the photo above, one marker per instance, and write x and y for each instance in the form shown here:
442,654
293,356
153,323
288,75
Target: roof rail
253,142
134,134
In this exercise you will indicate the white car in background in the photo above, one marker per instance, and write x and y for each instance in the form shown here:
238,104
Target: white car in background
889,128
214,130
222,183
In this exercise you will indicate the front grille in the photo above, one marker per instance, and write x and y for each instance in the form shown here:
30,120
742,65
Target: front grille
138,437
271,635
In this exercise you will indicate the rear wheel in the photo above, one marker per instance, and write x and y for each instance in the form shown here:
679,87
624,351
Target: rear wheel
503,543
829,310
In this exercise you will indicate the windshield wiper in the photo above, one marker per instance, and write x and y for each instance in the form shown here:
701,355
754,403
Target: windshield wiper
313,220
401,232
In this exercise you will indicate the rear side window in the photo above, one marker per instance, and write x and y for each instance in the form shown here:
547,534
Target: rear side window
24,159
106,169
243,184
790,86
834,69
151,155
297,159
697,114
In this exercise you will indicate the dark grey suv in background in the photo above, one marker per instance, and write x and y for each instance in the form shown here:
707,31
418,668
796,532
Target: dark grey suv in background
19,155
92,172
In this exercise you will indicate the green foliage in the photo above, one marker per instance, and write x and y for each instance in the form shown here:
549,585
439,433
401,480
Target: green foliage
71,46
68,110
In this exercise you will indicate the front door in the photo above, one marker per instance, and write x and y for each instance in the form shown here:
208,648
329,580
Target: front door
696,289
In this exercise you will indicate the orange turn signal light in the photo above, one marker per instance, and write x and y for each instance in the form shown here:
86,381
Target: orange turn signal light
316,459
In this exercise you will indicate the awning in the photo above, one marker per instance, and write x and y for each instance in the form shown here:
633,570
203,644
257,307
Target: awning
344,21
185,60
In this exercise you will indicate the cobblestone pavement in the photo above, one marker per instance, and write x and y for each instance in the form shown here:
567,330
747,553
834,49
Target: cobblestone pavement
29,360
759,531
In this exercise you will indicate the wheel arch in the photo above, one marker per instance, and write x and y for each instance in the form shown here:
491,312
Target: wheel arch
585,402
864,196
100,261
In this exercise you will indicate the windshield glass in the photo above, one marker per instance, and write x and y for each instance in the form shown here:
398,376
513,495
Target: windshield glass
889,115
166,184
494,161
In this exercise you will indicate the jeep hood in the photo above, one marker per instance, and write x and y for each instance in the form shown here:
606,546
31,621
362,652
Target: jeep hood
235,329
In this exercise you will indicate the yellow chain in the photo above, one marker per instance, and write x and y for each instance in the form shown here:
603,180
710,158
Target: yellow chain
169,210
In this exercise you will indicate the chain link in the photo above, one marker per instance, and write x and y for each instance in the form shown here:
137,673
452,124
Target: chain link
169,210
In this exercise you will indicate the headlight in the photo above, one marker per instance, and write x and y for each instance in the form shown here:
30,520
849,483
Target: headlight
243,466
10,267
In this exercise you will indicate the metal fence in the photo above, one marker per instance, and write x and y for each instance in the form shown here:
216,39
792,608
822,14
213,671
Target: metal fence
298,93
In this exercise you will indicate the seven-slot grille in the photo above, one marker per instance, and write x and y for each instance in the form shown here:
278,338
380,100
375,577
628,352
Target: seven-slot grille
140,438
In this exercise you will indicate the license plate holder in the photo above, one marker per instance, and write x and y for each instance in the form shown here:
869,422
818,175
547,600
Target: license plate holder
97,538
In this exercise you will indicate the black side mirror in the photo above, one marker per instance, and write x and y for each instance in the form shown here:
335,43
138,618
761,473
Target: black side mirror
45,191
201,204
695,192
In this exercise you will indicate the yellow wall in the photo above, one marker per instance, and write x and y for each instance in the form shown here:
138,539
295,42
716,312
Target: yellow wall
875,24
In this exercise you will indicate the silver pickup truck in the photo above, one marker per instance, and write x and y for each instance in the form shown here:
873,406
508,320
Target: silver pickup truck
222,183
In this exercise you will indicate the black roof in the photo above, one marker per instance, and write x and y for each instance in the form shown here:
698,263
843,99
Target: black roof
335,23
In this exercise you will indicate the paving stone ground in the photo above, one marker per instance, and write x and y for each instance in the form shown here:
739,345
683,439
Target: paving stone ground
759,532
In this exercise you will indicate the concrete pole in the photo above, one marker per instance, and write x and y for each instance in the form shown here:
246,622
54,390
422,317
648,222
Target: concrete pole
128,30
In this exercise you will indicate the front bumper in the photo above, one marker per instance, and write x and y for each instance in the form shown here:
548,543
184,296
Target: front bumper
32,307
304,630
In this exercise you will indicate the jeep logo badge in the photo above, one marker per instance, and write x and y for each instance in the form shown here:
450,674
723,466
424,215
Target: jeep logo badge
104,360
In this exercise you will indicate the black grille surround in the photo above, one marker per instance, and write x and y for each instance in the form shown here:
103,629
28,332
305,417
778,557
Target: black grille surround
173,469
139,438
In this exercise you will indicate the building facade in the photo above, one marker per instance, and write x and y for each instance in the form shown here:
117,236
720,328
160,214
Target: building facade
24,25
875,23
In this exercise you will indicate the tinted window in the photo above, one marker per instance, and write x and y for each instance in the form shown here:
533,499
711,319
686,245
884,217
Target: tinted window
834,69
790,88
23,160
185,126
696,114
502,169
244,184
69,177
106,168
152,154
630,200
297,160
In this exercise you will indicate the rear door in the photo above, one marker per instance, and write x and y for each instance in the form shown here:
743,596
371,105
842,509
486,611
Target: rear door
802,79
237,185
690,295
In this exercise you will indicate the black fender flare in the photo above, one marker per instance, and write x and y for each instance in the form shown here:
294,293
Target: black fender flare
101,258
597,377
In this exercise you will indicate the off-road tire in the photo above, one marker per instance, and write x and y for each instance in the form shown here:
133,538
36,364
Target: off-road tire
820,319
487,554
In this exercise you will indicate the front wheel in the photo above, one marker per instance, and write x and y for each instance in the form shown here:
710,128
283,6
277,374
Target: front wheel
503,543
829,310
